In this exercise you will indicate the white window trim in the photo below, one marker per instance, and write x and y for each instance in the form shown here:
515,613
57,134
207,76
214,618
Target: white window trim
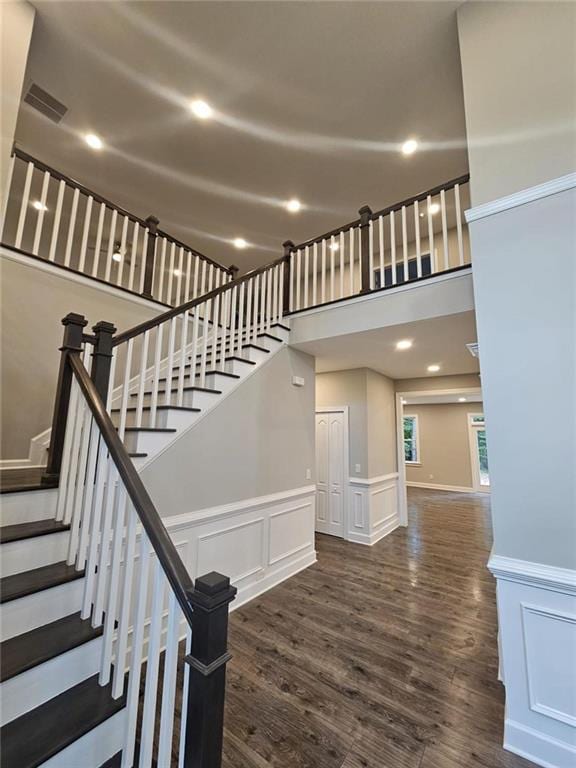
418,461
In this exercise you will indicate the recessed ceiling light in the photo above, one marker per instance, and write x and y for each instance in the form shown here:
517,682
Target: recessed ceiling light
201,109
334,247
433,368
240,243
117,256
177,272
409,147
39,206
461,399
404,344
93,141
294,205
434,208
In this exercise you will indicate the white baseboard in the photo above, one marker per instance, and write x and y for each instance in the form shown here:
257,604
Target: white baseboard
537,634
435,487
537,747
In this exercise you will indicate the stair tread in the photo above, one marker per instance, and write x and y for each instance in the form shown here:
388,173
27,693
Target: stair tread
244,346
138,455
38,735
29,582
149,429
185,389
159,408
20,531
23,652
211,372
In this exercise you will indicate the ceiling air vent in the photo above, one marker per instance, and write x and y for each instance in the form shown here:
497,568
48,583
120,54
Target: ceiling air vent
49,106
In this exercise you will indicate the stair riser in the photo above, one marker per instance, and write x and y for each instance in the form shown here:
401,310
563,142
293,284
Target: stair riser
165,419
189,399
213,381
94,748
34,687
27,554
26,613
147,442
27,506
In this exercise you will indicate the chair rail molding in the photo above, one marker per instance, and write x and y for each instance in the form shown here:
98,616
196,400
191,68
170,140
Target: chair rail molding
522,197
533,574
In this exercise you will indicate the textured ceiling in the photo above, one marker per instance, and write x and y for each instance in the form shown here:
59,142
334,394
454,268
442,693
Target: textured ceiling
311,98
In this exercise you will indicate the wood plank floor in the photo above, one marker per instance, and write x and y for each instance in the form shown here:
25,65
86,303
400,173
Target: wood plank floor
376,657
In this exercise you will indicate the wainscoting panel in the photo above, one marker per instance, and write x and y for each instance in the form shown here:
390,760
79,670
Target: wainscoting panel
537,623
373,510
257,542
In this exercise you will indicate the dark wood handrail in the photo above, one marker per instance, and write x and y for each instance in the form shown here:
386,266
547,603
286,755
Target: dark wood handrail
390,209
27,158
147,325
163,546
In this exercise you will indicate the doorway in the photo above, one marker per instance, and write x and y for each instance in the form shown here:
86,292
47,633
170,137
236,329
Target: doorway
479,452
331,470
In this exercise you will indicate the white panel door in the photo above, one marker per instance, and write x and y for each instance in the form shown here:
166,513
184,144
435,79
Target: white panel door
330,470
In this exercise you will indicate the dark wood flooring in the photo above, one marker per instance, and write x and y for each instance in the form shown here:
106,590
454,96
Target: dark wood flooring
20,479
375,657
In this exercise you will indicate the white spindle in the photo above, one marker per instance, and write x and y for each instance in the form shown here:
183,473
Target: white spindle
405,244
125,389
82,481
156,375
393,246
143,261
125,617
182,362
291,270
111,612
269,290
85,233
232,336
341,249
241,311
188,279
459,224
314,274
152,665
184,709
206,316
111,244
162,269
164,759
444,229
66,451
86,511
332,264
306,302
298,278
431,235
196,276
352,266
133,695
276,281
323,271
371,252
56,224
107,522
194,346
170,363
24,205
215,329
142,380
381,248
96,262
179,275
41,212
248,316
255,308
171,272
102,470
281,278
417,239
123,237
71,227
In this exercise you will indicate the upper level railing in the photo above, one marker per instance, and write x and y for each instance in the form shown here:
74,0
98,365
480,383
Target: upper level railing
50,216
135,584
414,239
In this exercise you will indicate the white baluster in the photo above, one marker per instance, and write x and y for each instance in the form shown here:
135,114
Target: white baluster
371,252
248,316
184,709
182,358
41,212
341,249
111,245
156,377
444,229
233,311
459,224
162,270
125,389
352,265
275,295
170,366
123,237
195,331
255,308
306,302
152,664
188,279
133,255
332,265
241,309
381,248
67,451
111,612
85,233
143,262
24,205
71,228
107,520
314,274
142,380
323,271
179,276
169,684
96,262
431,236
215,330
125,619
171,273
298,278
86,511
82,481
133,694
393,246
405,244
196,277
102,471
417,239
291,270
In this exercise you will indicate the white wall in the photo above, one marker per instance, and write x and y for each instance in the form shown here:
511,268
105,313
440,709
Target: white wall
16,22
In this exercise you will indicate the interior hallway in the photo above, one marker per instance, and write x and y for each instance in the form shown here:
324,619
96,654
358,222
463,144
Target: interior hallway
381,657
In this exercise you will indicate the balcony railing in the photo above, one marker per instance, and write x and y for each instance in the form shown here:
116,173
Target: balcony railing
50,216
417,238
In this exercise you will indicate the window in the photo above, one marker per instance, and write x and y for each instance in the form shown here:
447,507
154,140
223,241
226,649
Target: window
425,261
411,448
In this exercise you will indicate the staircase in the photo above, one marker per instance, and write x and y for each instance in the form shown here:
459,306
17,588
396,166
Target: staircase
92,586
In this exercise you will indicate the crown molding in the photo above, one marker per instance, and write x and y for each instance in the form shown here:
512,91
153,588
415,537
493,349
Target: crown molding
524,196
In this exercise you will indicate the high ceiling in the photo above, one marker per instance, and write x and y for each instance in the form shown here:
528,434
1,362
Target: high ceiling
311,100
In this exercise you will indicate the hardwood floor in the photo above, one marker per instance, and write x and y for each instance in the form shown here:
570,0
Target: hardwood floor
376,657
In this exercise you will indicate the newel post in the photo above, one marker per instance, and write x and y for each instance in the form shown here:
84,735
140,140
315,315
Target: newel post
365,215
152,224
233,269
288,248
102,356
210,598
73,332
